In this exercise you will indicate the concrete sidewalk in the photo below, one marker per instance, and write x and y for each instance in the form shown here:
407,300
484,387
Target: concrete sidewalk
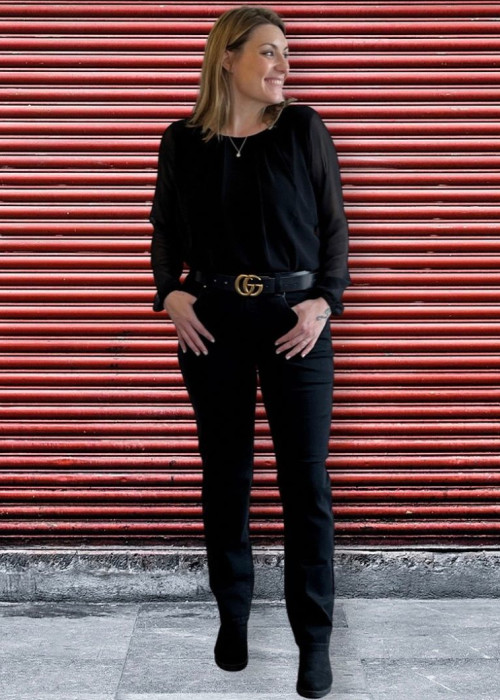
382,649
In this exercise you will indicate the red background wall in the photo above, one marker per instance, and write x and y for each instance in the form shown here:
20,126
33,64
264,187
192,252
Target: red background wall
98,442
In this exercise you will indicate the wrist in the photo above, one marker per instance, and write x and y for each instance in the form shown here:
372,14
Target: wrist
176,294
169,297
322,304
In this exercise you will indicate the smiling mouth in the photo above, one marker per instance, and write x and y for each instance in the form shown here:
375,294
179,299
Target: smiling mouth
275,81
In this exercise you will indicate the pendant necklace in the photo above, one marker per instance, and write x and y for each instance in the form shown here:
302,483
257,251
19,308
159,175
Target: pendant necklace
238,150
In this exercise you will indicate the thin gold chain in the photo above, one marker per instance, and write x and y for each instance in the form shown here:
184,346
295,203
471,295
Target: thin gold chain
238,150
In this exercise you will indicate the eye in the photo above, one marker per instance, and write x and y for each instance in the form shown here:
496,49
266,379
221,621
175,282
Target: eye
286,56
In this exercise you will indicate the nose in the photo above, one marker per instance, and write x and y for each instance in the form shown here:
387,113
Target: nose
282,64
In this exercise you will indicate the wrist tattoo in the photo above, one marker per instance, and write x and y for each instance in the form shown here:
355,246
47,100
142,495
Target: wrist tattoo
324,315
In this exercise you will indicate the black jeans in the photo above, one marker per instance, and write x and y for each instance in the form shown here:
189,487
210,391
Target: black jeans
297,395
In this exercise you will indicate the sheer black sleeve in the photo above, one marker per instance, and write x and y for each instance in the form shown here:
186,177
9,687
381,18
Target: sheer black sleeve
166,245
332,223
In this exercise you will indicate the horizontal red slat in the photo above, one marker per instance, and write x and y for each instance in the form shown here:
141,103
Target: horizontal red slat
299,60
141,461
476,500
297,77
194,513
188,94
341,114
100,527
117,160
167,362
141,212
142,296
386,312
439,9
374,229
365,144
384,378
148,395
344,345
101,278
126,195
338,112
368,485
341,411
154,128
183,445
157,328
336,42
192,27
12,244
178,427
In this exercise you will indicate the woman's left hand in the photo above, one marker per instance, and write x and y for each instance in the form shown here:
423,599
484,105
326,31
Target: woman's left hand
312,314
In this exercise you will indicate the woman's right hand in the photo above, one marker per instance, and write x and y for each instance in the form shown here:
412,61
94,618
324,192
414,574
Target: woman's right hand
179,306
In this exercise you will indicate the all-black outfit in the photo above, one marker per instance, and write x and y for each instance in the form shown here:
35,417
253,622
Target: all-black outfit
276,209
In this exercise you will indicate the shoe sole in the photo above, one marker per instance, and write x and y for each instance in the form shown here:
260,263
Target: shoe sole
231,667
313,693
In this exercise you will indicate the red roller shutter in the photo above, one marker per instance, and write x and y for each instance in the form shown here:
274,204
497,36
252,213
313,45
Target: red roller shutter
98,443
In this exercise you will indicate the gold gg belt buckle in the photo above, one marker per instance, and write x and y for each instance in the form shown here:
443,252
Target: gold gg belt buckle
248,285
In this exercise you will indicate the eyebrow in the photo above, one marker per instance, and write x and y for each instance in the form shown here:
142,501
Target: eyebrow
275,46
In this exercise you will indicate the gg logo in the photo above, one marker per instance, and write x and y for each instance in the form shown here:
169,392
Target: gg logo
248,285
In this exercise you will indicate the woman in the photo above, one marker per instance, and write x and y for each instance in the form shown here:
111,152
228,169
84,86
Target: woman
249,196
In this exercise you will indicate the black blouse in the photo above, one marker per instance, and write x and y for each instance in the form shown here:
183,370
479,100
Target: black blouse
276,208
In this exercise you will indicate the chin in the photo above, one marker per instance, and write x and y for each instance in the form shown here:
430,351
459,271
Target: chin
277,97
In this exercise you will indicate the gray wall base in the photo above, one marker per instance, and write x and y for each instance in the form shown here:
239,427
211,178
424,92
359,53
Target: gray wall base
140,573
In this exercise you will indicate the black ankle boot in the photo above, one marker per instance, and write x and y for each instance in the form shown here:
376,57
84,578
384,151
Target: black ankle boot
231,647
315,673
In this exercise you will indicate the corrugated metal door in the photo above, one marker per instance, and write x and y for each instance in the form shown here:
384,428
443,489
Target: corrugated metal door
98,441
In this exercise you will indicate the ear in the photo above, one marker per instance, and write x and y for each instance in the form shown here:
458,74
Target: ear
227,60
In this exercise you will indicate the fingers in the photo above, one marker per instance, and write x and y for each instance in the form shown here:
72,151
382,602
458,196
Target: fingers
297,338
192,340
191,332
308,348
304,334
300,344
300,339
201,329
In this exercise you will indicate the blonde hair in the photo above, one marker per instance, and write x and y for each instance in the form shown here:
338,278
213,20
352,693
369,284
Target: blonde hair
230,32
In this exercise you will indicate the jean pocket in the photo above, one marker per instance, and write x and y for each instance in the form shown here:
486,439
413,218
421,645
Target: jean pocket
201,297
287,301
295,297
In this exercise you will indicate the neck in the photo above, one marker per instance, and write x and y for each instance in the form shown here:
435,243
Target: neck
244,124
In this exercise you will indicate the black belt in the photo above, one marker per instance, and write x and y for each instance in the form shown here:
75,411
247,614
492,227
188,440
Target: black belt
252,285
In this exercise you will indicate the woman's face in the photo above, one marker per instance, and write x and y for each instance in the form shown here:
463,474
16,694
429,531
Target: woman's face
259,68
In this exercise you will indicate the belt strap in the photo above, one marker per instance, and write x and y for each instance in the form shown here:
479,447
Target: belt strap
252,285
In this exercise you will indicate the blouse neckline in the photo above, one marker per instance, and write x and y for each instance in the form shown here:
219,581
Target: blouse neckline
258,133
250,136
